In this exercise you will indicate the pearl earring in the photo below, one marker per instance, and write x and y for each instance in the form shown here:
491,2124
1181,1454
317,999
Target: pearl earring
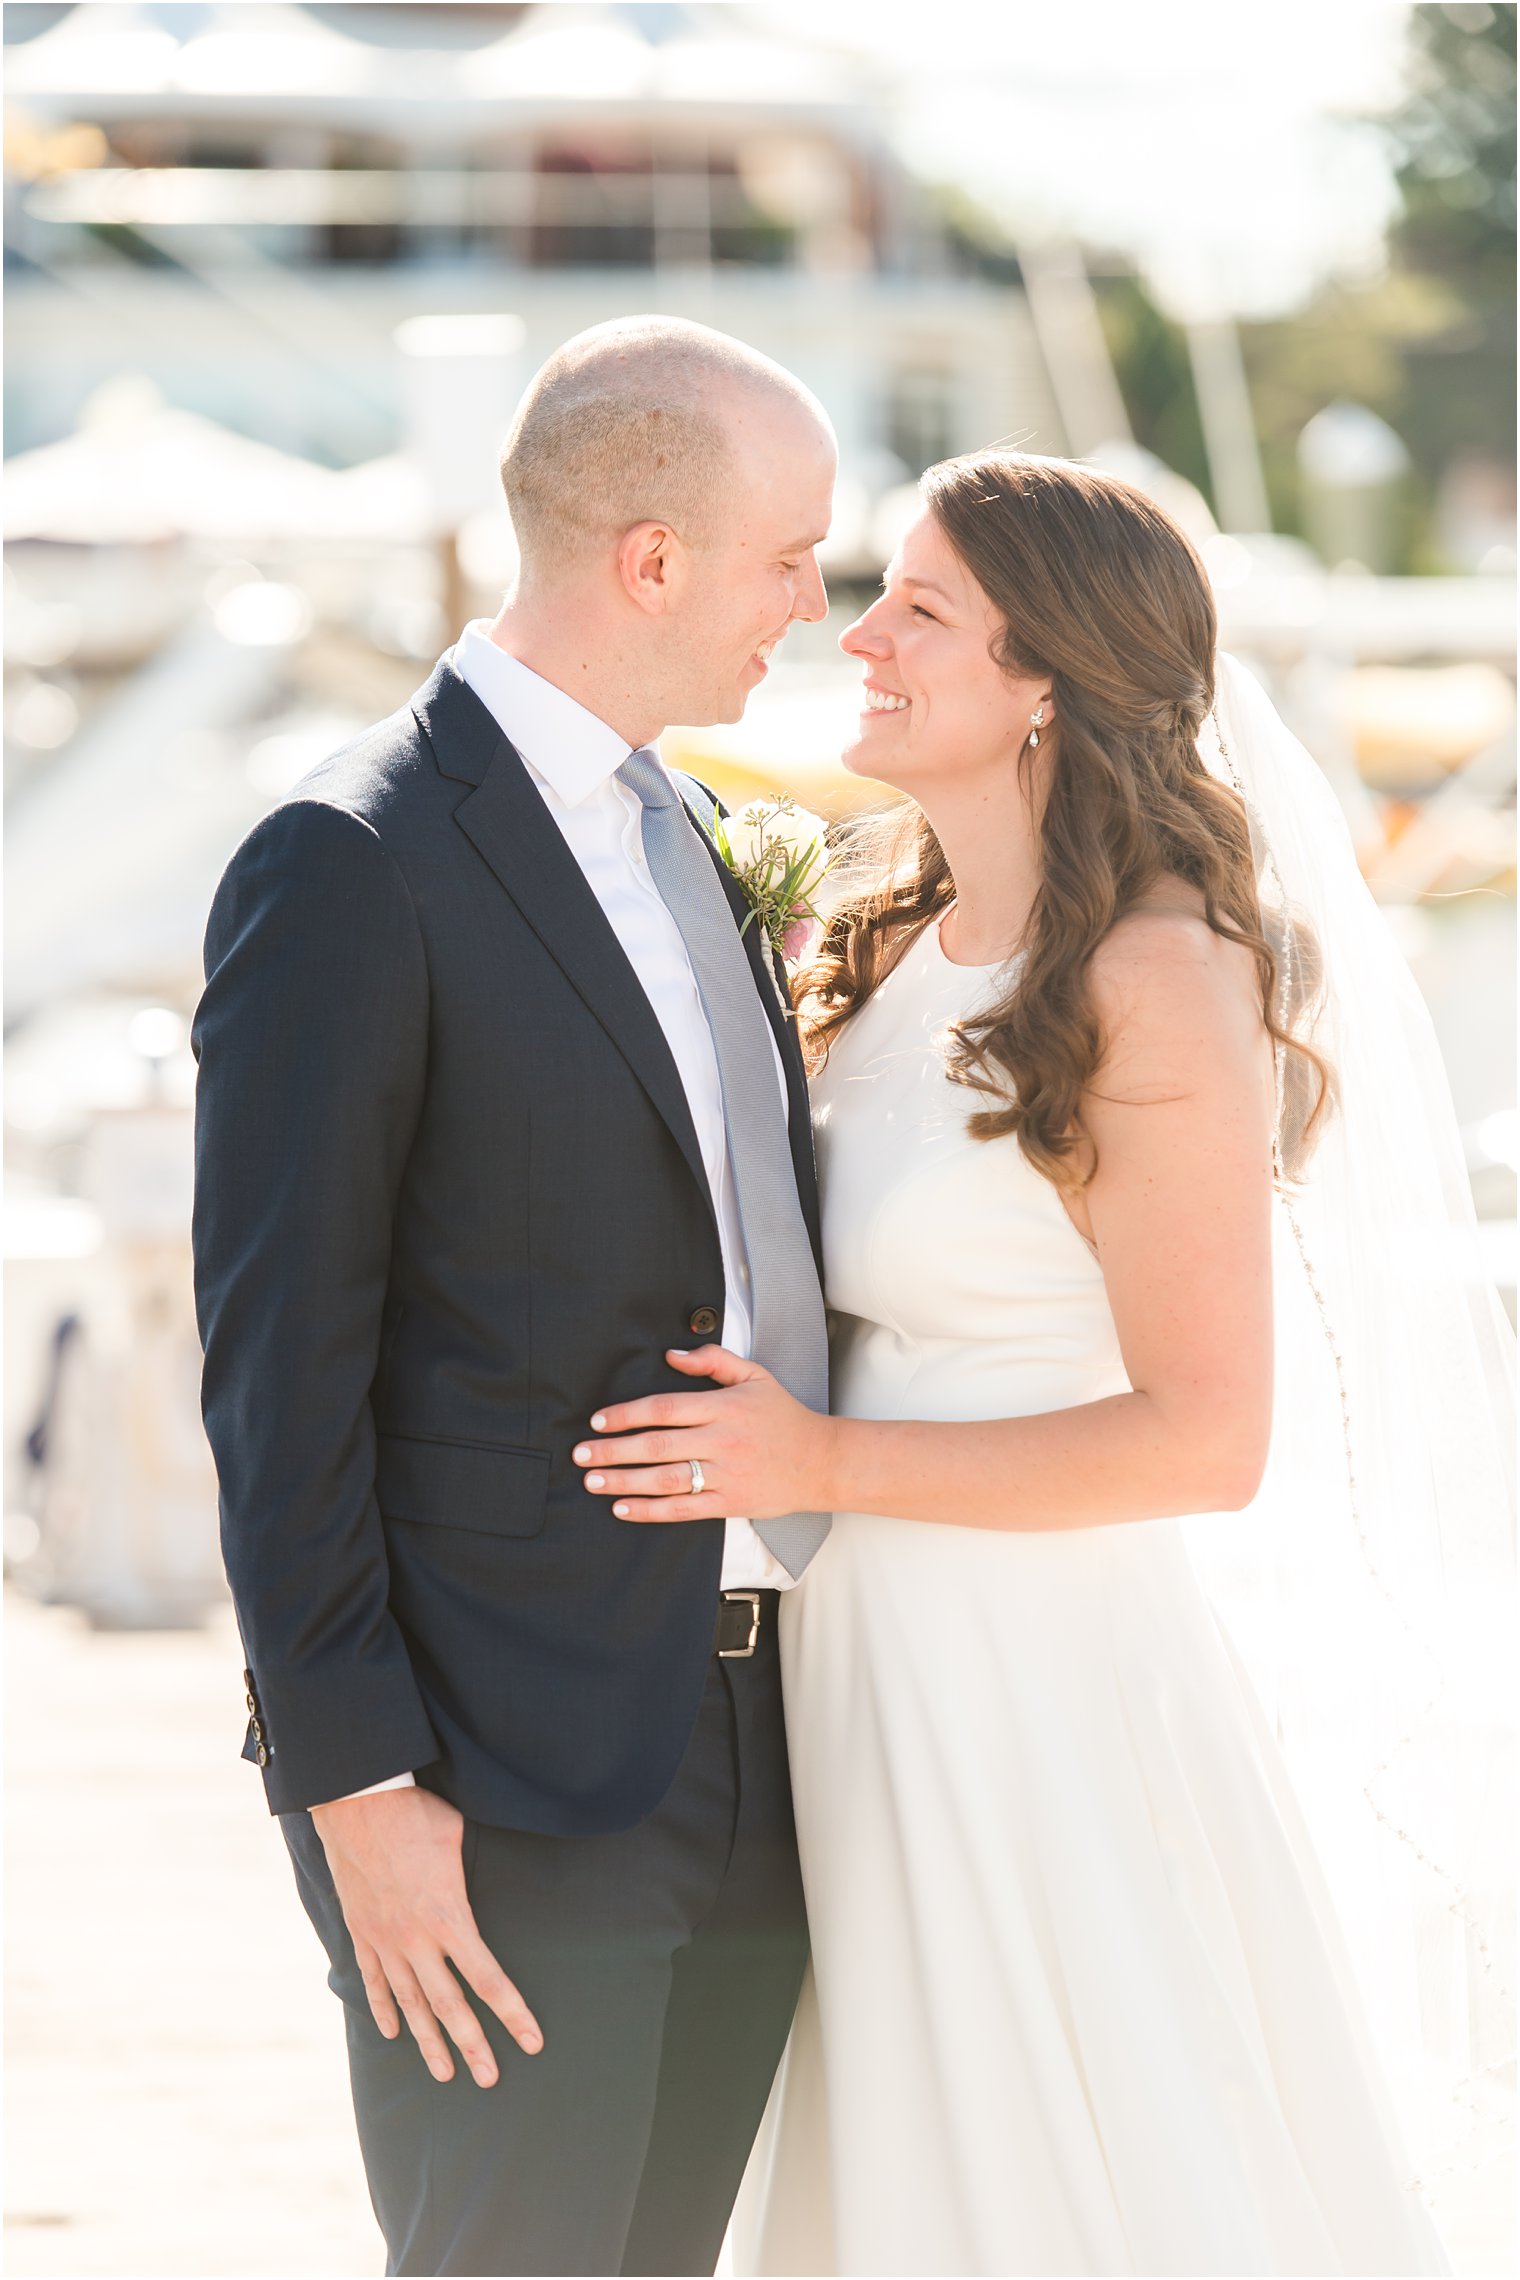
1035,720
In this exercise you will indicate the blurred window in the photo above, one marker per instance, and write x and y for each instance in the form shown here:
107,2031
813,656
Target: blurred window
376,243
593,208
626,204
174,142
741,232
921,416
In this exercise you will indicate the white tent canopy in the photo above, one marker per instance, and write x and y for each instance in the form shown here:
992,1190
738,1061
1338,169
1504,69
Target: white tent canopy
136,470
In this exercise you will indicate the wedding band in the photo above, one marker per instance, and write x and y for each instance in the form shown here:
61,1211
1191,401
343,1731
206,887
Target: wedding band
698,1477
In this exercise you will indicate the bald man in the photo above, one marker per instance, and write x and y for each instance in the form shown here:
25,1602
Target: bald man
496,1106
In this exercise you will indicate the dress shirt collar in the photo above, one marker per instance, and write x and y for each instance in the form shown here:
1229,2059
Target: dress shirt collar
573,750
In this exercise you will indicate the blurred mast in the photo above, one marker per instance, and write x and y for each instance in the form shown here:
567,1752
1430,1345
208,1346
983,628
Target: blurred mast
1229,426
1064,310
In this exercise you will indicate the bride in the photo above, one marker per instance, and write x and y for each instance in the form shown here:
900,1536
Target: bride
1108,1055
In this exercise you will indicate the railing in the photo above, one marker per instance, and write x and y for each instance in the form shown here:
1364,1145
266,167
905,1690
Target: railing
691,197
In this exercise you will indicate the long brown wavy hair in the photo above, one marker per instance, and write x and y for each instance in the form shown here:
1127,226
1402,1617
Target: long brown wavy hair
1100,592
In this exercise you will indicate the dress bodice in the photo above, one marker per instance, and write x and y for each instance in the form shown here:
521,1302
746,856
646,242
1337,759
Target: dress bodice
958,1285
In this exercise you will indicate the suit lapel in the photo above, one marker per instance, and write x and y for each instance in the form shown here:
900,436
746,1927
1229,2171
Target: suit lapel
506,819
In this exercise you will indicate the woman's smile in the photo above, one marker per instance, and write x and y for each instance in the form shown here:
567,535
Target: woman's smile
877,701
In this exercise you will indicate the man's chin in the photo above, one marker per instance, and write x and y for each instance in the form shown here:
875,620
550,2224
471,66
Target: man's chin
710,712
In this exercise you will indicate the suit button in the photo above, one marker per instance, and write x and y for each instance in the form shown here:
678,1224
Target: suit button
256,1729
262,1754
704,1320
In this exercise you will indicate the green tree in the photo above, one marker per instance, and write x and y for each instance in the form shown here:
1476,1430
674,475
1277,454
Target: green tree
1453,142
1430,345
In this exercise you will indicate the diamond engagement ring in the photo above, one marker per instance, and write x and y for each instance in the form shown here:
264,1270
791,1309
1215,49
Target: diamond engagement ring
698,1477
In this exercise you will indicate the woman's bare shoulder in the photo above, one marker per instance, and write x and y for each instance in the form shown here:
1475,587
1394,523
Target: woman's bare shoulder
1162,979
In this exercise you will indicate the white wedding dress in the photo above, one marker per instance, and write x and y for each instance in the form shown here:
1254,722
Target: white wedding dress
1078,2002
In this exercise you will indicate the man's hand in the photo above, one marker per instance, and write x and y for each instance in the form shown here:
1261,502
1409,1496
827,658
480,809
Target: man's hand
397,1862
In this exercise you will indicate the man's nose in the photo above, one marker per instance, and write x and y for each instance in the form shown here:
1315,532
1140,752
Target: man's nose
812,603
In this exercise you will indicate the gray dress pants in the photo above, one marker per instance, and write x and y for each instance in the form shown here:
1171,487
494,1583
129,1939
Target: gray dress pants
663,1965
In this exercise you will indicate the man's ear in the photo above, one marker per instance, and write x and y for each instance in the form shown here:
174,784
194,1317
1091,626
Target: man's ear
651,561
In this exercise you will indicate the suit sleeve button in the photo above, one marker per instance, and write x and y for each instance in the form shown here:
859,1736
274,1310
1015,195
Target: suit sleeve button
704,1320
262,1754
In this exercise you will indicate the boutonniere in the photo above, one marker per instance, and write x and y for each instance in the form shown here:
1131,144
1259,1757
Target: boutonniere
780,855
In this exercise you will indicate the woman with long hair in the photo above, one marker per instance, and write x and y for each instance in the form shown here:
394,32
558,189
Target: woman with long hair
1082,1030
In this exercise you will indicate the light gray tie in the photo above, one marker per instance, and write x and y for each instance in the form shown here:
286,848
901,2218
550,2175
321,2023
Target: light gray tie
790,1336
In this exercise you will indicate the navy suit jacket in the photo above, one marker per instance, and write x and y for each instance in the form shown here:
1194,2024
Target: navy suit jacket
449,1199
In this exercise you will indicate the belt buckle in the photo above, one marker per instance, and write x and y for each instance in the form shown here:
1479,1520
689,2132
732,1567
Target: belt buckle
736,1654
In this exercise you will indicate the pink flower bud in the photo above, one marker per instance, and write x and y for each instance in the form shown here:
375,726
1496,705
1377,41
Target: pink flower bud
800,939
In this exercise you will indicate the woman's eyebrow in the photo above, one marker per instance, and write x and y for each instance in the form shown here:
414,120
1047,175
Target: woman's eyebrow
927,586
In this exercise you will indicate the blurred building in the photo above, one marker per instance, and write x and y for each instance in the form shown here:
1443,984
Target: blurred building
243,202
276,275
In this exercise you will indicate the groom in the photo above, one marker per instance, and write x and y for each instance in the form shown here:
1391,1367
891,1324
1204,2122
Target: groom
495,1107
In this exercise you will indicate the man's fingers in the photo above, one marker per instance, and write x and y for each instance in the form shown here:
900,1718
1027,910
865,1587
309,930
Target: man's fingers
453,2013
433,2005
377,1987
419,2016
408,1879
484,1975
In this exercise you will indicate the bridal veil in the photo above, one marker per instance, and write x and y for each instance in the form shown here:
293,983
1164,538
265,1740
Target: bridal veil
1369,1586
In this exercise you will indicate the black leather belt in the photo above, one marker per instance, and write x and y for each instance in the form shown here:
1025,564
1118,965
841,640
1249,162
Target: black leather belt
742,1615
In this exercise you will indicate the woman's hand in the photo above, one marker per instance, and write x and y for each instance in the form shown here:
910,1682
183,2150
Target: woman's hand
760,1451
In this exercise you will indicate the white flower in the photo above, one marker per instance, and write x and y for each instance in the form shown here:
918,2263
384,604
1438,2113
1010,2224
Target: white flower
779,854
773,823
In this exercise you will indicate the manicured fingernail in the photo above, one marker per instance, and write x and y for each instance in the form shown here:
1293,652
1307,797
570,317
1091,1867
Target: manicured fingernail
621,1510
531,2043
599,1423
676,1353
596,1480
583,1455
